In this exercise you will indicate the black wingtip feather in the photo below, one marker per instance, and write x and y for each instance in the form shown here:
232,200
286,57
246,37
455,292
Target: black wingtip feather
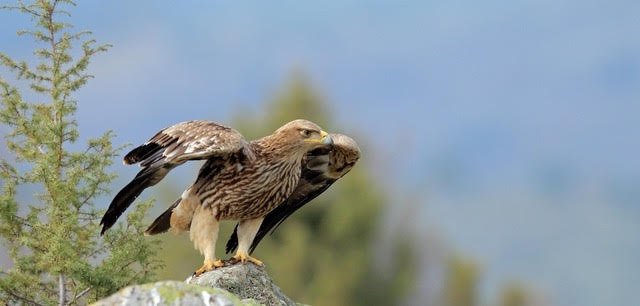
121,202
163,222
145,178
141,153
104,229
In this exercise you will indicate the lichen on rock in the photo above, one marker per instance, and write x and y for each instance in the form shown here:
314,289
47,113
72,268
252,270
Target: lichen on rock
173,293
240,284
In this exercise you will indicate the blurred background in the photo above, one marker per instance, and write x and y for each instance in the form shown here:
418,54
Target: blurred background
500,139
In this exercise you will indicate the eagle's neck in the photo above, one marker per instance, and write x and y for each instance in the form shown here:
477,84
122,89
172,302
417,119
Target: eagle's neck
273,148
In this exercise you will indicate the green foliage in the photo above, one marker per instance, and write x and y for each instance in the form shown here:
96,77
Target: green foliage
461,282
52,236
515,294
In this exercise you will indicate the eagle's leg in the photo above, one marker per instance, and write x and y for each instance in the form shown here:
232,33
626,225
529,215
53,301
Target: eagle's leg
247,230
204,233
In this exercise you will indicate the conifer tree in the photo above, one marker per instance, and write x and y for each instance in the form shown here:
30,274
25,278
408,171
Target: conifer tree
48,217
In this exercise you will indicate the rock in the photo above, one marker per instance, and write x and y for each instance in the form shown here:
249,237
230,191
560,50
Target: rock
240,284
247,281
173,293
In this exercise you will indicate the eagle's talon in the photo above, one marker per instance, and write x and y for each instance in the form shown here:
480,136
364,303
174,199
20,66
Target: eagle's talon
209,265
244,257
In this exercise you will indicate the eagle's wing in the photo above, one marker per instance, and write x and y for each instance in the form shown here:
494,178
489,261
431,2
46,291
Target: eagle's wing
321,168
171,147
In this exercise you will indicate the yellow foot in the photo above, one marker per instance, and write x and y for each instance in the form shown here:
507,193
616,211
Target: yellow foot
208,266
244,257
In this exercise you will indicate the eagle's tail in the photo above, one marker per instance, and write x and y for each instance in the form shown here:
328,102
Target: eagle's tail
163,222
145,178
232,243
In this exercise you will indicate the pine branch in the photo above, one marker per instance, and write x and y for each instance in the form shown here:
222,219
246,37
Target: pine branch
24,72
23,8
80,295
22,298
90,196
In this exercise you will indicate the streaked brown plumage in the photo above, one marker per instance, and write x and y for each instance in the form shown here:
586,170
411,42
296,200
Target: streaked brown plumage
239,181
320,168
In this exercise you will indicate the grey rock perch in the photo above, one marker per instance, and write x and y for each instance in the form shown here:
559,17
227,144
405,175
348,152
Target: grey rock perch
240,284
247,281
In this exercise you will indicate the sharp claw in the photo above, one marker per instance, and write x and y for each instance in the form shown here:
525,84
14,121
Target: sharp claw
244,257
208,265
218,264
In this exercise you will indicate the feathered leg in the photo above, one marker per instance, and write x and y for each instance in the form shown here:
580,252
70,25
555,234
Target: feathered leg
204,233
177,217
182,215
247,230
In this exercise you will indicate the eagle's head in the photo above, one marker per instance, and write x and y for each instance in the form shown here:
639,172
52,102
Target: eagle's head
301,136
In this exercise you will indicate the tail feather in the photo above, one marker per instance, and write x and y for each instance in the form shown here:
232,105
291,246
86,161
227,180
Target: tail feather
145,178
232,243
163,222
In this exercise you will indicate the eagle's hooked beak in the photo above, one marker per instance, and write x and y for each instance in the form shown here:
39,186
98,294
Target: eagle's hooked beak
326,138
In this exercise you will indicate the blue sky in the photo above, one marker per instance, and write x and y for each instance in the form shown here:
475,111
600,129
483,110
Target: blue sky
514,124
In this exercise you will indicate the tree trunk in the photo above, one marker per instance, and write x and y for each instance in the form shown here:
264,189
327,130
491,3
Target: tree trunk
62,292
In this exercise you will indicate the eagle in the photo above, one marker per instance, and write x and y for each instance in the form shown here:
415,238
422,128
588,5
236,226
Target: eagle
320,169
259,183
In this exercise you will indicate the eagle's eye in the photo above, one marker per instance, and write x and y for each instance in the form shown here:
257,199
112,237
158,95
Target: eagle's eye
305,133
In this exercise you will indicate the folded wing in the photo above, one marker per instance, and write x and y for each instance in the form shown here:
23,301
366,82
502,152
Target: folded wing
321,168
169,148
